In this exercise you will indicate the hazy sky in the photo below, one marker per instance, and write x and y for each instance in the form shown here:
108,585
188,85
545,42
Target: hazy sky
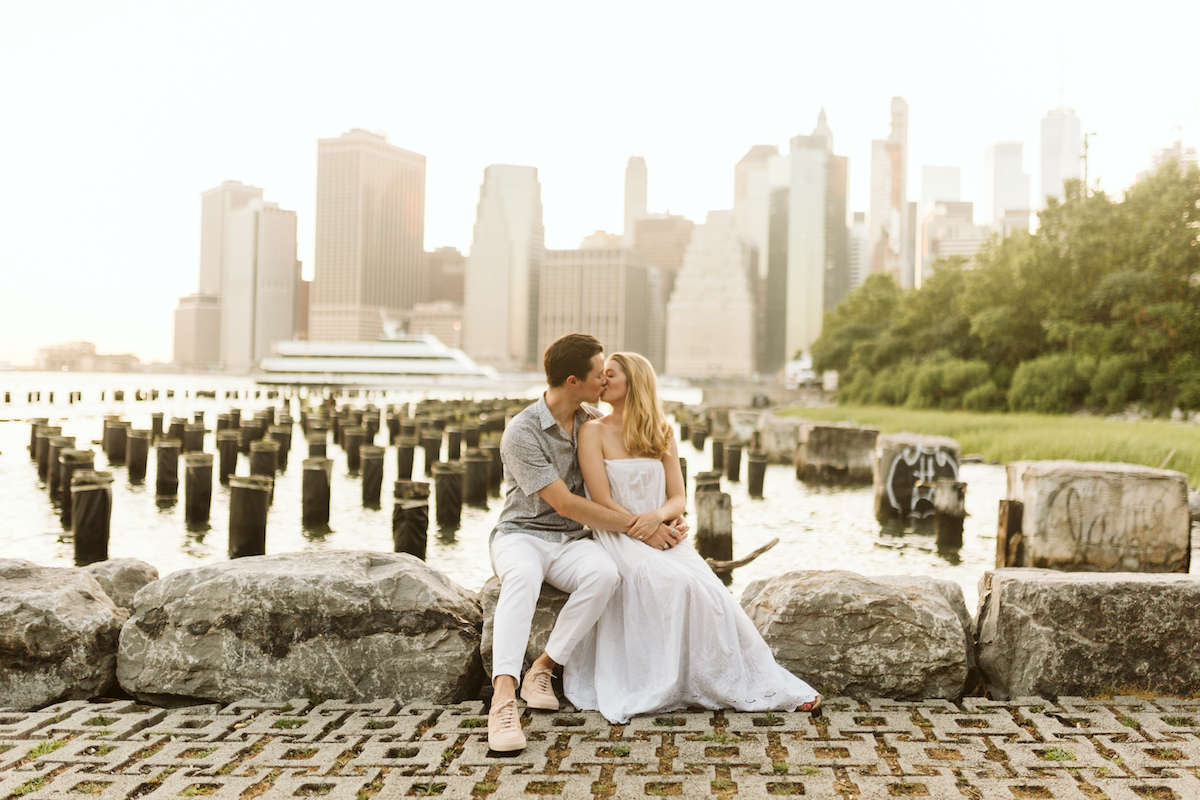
114,116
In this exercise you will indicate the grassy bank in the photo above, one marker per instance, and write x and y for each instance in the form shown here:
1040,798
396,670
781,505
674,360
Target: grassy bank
1015,437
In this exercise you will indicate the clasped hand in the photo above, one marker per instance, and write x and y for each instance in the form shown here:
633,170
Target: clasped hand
650,528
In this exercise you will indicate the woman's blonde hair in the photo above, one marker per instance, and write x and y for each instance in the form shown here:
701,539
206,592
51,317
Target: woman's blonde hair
644,427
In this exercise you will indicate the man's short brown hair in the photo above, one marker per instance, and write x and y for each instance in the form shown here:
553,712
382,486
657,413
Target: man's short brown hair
570,355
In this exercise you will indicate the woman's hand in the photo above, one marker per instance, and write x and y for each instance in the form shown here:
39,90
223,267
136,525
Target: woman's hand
644,525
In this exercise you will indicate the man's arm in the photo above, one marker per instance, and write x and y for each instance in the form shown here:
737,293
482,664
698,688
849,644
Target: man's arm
582,510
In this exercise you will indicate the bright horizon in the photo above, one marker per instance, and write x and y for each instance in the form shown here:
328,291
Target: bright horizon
117,117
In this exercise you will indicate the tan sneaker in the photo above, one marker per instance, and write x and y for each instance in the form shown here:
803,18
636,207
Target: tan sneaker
504,727
537,691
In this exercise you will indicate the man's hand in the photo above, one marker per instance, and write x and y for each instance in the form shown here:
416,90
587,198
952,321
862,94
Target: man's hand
665,537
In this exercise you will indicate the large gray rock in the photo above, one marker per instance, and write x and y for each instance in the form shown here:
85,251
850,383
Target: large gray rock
780,437
121,578
355,625
849,634
58,635
744,425
1047,633
550,602
1100,517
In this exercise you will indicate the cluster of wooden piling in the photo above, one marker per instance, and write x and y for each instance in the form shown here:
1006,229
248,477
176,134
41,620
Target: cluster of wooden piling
146,395
470,474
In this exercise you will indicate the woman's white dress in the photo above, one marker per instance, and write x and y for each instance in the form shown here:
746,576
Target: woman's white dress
672,635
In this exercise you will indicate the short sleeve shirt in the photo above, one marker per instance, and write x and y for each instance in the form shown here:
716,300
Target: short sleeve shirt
536,452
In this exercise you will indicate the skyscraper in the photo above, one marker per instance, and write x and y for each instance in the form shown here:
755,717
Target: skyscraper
808,257
370,243
710,317
1062,149
662,239
889,170
636,184
1005,188
602,289
751,200
860,250
198,318
500,285
259,283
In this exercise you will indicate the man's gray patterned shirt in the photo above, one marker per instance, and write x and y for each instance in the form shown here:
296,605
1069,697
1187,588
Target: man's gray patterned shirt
536,453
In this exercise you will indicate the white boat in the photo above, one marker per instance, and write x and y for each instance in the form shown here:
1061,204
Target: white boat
398,359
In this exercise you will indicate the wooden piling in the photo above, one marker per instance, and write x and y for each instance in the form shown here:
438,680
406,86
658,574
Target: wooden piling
166,479
949,511
352,441
91,515
475,477
315,487
714,526
138,454
53,474
756,466
193,437
718,454
733,461
371,457
197,487
448,491
249,502
71,461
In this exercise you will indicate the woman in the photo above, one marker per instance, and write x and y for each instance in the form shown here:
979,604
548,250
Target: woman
671,636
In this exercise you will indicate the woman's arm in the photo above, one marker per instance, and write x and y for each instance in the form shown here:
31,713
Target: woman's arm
591,464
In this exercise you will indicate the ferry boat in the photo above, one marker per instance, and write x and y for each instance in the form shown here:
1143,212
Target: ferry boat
396,360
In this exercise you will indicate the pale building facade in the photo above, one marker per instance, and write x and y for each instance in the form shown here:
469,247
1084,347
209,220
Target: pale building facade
198,331
1006,187
441,318
370,236
751,200
949,229
260,281
710,316
602,290
1062,153
860,250
636,186
888,209
500,285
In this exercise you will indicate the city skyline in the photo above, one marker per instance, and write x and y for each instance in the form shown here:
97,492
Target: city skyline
122,113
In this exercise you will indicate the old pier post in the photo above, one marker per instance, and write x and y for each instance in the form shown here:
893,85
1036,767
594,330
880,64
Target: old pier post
193,437
708,482
138,454
714,527
733,461
315,489
475,465
448,488
495,473
353,439
166,479
410,518
718,454
34,424
228,444
176,429
197,487
42,448
156,426
453,442
118,442
71,461
949,511
406,447
55,446
372,474
91,515
431,443
249,501
756,468
838,454
283,435
317,444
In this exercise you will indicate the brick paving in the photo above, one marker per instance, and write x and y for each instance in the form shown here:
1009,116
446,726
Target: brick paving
1124,748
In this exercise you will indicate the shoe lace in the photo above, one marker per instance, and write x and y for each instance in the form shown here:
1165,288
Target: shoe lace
506,714
541,680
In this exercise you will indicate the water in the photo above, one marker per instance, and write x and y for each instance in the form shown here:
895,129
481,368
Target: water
818,527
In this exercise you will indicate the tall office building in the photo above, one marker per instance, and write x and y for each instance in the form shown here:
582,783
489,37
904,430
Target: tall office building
444,271
710,317
751,200
198,317
1062,151
500,285
1184,158
259,283
636,184
370,243
888,212
602,289
860,250
1005,188
808,258
949,229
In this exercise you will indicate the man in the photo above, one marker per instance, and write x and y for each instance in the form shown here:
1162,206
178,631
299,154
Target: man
541,535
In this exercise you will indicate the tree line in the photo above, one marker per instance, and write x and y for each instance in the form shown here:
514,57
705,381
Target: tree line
1099,309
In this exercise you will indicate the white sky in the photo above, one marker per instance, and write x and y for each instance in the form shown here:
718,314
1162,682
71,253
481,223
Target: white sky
114,116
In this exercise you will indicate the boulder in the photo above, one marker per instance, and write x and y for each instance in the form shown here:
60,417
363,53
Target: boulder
58,635
835,453
862,636
1098,517
356,625
120,578
1049,633
743,425
780,437
550,602
906,468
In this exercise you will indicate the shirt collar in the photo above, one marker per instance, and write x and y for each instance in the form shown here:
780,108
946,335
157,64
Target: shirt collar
546,418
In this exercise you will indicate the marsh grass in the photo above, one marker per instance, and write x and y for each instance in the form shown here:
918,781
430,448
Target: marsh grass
1031,437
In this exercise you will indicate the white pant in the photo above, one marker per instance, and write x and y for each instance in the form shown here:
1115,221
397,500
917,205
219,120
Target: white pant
579,567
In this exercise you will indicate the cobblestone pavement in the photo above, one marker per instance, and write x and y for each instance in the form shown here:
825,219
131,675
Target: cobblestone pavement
1119,748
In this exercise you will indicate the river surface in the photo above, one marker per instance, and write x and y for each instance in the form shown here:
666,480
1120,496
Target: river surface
818,527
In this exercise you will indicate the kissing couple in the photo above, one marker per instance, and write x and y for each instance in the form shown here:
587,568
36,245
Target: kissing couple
594,507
